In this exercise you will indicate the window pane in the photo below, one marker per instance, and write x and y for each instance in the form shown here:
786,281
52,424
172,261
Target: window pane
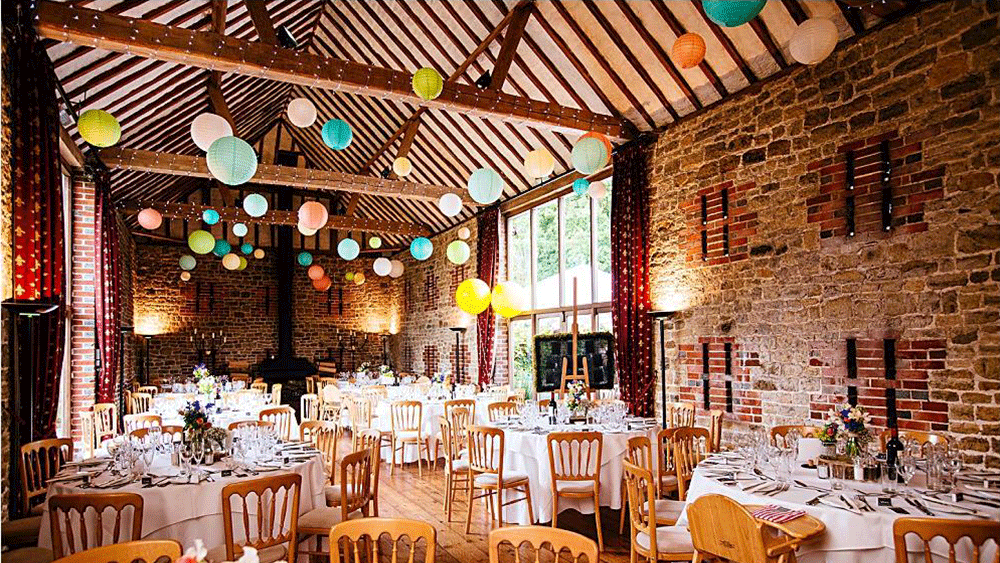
583,322
547,259
519,250
576,249
550,324
604,322
602,226
522,351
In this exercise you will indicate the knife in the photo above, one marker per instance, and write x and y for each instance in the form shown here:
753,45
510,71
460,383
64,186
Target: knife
919,507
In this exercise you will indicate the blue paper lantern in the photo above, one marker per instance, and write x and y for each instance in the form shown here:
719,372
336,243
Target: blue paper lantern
348,249
222,248
337,134
246,248
421,248
731,13
240,229
305,259
589,155
580,186
232,161
210,216
188,262
255,205
485,186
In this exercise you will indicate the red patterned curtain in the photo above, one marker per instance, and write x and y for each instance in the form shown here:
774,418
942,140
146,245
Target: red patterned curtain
36,181
488,264
107,313
630,304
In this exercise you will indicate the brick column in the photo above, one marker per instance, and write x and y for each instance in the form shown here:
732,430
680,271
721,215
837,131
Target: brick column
82,304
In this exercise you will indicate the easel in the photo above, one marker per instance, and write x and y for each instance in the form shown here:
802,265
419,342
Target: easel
568,376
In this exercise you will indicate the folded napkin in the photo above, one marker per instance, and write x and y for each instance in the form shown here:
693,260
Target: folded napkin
777,514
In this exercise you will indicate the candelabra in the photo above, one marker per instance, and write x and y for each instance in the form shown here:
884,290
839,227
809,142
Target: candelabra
208,346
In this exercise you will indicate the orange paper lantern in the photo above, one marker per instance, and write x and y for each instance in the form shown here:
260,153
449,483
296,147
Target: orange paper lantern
601,138
316,272
688,51
322,284
312,215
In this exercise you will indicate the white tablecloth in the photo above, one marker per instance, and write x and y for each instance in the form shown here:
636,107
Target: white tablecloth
189,512
429,427
167,407
850,538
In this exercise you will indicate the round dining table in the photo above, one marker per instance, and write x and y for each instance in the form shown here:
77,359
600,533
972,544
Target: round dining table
168,406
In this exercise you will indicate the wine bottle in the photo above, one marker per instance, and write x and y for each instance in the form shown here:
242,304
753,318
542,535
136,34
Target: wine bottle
892,449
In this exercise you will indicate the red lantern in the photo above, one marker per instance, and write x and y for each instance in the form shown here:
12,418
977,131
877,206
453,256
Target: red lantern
322,284
316,272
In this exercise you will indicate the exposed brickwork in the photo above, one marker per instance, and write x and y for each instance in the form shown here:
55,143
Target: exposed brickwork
746,401
82,294
720,231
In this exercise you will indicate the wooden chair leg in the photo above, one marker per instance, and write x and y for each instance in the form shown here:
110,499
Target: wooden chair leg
527,496
447,490
597,518
392,460
420,459
500,508
621,518
468,518
555,510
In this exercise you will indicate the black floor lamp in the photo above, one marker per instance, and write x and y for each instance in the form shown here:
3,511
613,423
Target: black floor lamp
662,317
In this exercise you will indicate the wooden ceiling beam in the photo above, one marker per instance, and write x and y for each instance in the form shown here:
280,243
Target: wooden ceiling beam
228,54
68,149
853,17
511,39
795,10
760,29
727,44
262,21
678,30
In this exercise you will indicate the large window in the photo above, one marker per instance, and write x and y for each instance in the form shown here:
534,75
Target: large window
548,247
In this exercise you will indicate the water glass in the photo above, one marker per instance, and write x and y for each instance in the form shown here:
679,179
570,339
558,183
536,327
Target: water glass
888,477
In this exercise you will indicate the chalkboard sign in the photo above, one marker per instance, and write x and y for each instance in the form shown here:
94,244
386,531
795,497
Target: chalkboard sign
594,348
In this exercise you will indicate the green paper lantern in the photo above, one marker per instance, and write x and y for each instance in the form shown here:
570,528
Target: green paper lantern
246,248
485,186
427,83
305,259
232,161
222,247
99,128
589,155
188,262
731,13
458,252
210,216
421,248
375,242
243,264
240,229
349,276
201,242
580,186
348,249
255,205
337,134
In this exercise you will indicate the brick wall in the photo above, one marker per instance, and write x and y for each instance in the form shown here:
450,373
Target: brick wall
929,83
82,296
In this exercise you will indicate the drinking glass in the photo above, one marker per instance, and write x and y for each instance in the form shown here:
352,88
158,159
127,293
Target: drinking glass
888,477
907,469
186,453
198,452
148,453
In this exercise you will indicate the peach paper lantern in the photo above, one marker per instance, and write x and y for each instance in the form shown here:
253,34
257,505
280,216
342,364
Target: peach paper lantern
688,51
313,215
322,284
316,272
150,219
601,138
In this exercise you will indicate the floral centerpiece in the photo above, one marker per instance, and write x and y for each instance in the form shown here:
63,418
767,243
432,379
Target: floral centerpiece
196,423
576,400
439,378
198,554
852,422
386,371
204,379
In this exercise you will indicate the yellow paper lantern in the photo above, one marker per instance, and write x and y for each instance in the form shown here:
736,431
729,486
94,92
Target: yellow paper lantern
688,51
99,128
539,164
427,83
509,299
231,261
402,166
473,296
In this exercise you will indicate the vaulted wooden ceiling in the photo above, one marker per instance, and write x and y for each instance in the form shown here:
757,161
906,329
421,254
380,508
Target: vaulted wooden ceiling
610,58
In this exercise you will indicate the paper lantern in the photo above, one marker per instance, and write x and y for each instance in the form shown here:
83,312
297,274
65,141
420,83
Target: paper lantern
539,163
382,266
258,253
473,296
450,204
402,166
201,242
322,284
421,248
188,262
464,233
374,242
240,229
349,276
208,128
602,138
813,41
485,186
359,278
509,299
210,216
301,112
688,50
598,189
150,218
580,186
255,205
316,272
306,231
337,134
427,83
221,248
458,252
243,264
246,248
313,215
397,269
589,155
185,276
304,259
348,249
231,160
731,13
99,128
230,261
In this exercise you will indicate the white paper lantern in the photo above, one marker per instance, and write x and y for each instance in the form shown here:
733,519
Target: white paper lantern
231,261
597,189
209,127
464,233
450,204
402,166
301,112
306,231
382,266
539,164
240,229
813,41
396,270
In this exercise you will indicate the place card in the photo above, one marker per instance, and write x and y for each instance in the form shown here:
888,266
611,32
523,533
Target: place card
884,501
955,497
227,472
147,481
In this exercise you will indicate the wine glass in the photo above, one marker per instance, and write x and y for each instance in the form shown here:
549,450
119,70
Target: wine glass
148,453
186,453
907,469
199,452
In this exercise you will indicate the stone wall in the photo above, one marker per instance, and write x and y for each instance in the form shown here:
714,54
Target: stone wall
788,305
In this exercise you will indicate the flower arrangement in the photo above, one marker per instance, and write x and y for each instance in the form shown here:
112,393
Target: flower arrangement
206,385
577,399
852,421
200,372
195,418
828,435
385,371
198,554
439,378
217,436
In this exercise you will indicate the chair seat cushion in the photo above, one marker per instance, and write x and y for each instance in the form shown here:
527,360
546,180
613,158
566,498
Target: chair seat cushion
667,509
509,478
668,482
333,496
267,555
22,532
323,518
459,465
407,435
575,486
28,555
669,539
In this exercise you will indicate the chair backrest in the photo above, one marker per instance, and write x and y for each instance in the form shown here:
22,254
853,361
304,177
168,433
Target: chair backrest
322,435
779,434
363,537
370,439
560,542
922,438
680,414
259,386
640,452
722,528
665,452
461,419
356,477
39,462
544,403
133,421
691,445
311,385
575,456
469,404
244,377
146,551
72,511
261,423
501,409
407,416
269,518
375,392
715,428
172,432
140,403
952,531
105,421
331,393
641,492
447,439
89,435
276,394
309,407
282,417
149,389
360,411
486,445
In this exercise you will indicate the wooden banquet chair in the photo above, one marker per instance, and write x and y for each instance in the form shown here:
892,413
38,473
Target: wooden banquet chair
276,394
259,386
575,470
680,414
922,438
359,410
372,439
640,453
276,501
363,536
105,422
666,470
486,453
500,409
716,417
779,434
40,461
951,531
559,542
145,551
72,511
244,377
309,407
261,423
652,542
356,476
691,445
331,402
449,406
456,470
283,418
132,421
140,403
311,385
322,435
375,393
148,389
407,419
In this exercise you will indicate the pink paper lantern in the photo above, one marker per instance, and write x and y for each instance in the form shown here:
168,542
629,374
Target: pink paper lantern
316,272
312,215
150,218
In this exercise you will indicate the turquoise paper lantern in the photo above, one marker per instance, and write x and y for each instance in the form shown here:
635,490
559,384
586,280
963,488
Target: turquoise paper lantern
246,248
731,13
188,262
232,161
255,205
485,186
305,259
348,249
210,216
421,248
222,248
240,229
337,134
589,155
580,186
